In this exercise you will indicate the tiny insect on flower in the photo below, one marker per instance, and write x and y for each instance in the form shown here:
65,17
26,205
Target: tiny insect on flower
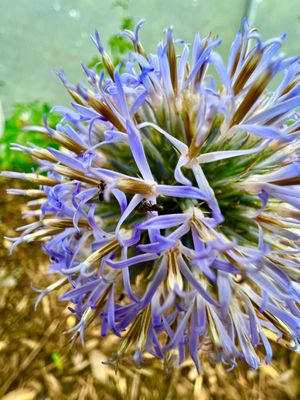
172,214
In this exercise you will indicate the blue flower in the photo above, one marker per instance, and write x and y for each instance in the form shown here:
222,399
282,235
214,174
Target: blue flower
172,213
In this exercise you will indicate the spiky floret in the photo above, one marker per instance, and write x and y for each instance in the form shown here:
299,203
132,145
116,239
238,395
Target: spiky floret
173,212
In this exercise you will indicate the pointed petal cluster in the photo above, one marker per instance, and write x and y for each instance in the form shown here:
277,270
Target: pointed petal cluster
171,212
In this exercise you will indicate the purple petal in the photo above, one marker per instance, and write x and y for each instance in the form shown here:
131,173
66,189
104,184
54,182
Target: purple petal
96,40
181,191
66,159
138,152
157,247
181,147
121,198
276,110
178,336
132,261
204,54
217,62
134,202
266,132
180,178
154,284
164,221
194,282
222,155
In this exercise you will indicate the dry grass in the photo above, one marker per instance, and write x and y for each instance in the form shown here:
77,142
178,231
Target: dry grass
37,362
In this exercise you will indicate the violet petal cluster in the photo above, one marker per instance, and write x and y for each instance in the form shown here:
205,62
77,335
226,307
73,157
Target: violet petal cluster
171,211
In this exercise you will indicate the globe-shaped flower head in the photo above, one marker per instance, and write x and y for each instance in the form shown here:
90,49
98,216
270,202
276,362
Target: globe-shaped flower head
172,213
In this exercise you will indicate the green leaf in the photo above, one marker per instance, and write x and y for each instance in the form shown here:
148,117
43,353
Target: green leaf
57,361
24,114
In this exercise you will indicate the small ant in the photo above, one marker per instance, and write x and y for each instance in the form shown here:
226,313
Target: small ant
149,206
101,187
77,235
121,297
